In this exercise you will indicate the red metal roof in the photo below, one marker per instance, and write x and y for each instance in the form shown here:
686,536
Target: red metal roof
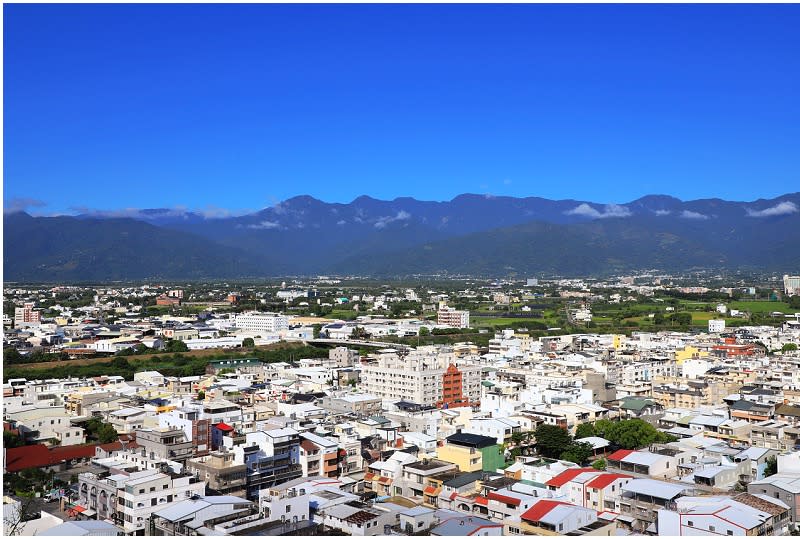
620,454
542,507
369,476
566,476
505,499
480,500
224,427
606,479
431,490
39,456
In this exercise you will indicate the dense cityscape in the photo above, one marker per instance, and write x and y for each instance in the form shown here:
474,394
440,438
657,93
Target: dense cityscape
387,269
642,404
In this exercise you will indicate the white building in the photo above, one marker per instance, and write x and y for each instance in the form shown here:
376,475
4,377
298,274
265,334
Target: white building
716,326
746,514
418,377
259,323
450,317
791,284
47,423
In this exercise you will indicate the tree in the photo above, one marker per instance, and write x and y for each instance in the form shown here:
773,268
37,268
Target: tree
12,440
107,434
600,464
631,433
16,517
424,331
248,342
584,430
174,346
772,466
789,347
578,452
201,395
551,440
359,333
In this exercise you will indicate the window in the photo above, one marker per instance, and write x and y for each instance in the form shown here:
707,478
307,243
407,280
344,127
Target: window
141,491
561,527
152,489
730,532
712,528
690,523
288,508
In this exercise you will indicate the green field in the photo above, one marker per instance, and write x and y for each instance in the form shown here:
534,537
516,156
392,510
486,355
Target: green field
500,321
761,306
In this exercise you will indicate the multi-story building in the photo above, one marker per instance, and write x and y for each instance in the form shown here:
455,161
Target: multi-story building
342,357
41,424
319,456
196,428
419,376
271,457
791,285
167,443
25,315
454,318
129,498
221,473
260,323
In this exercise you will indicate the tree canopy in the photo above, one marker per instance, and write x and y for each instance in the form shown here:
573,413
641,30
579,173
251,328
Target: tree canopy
551,440
578,452
631,433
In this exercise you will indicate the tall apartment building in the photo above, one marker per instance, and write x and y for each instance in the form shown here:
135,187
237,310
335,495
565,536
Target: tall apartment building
26,315
272,457
420,377
261,322
791,285
341,356
448,316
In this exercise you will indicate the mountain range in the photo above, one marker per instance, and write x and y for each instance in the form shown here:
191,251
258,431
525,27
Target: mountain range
470,234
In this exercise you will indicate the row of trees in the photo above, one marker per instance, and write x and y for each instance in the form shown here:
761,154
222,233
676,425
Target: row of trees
556,442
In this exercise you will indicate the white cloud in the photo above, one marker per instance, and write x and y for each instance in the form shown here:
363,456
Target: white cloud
686,214
782,208
383,221
661,213
609,210
341,222
15,205
265,225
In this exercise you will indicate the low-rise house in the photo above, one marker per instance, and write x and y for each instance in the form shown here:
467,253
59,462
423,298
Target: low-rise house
207,515
467,526
642,498
551,517
783,486
472,452
745,514
357,519
661,465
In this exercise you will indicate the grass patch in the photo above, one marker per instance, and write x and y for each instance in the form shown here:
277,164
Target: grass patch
761,306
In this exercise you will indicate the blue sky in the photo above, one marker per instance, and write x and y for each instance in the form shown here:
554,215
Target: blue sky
238,107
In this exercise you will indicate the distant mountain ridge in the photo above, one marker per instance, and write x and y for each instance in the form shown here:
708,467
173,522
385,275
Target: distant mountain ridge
470,234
